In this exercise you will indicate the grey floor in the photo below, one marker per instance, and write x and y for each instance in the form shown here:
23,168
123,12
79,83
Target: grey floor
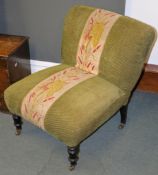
131,151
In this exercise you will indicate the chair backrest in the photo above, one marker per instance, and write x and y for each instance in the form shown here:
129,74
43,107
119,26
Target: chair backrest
107,44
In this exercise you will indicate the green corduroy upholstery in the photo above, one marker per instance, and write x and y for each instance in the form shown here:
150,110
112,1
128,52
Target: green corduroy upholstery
125,52
82,109
86,106
15,93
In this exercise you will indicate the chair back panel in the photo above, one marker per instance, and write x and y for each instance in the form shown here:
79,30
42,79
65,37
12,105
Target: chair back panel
126,48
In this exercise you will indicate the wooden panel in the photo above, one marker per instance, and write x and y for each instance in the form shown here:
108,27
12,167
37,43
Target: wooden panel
3,63
13,51
151,68
4,79
4,83
149,80
9,44
3,105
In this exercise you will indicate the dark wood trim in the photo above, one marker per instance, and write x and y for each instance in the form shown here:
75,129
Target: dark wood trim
123,113
151,68
149,80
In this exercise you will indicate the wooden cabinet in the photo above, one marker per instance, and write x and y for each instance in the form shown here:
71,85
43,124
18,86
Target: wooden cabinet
14,62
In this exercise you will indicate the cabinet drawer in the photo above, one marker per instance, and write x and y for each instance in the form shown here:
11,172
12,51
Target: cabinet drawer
18,68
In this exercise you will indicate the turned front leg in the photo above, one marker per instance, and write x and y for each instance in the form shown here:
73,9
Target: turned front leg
123,112
73,156
17,123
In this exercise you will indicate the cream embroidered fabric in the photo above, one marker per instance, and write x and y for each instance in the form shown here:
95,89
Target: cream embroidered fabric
93,39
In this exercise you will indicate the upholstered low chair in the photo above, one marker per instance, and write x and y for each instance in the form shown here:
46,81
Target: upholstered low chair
103,54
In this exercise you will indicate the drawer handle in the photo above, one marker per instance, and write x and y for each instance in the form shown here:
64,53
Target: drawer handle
16,64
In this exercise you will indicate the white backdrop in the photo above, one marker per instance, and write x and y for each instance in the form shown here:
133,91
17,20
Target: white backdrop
146,11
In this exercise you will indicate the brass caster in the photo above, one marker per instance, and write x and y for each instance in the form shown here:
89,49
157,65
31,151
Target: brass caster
121,125
18,132
71,167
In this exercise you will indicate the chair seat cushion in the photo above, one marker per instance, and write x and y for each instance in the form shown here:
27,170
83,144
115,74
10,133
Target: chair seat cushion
15,93
76,113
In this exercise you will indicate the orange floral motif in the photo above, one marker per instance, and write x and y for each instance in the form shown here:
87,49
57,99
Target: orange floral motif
93,39
37,102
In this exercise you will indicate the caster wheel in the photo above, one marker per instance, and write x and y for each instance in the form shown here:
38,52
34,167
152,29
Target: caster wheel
71,167
18,132
121,126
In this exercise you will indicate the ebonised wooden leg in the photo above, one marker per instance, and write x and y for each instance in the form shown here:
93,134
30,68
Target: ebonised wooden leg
18,124
123,112
73,156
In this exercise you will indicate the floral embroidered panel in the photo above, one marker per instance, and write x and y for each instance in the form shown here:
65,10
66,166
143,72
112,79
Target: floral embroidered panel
93,38
37,102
